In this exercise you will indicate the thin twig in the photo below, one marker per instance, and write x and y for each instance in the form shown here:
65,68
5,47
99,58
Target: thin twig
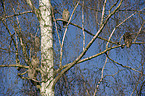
15,65
18,31
89,32
102,73
65,33
122,64
139,31
17,14
103,12
56,26
118,26
83,26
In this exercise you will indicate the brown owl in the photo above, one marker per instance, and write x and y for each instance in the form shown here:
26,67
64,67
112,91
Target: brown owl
31,73
35,62
65,16
37,44
127,39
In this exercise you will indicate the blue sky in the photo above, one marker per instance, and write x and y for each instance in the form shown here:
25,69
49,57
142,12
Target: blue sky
73,47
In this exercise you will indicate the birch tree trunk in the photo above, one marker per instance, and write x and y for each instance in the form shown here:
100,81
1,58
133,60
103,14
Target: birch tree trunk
46,48
45,20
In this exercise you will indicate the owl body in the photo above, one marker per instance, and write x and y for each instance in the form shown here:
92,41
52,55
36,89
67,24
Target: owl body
127,39
31,73
35,62
65,16
37,44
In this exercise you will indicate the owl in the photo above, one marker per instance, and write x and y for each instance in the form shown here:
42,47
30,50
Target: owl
65,16
35,62
37,44
31,73
127,37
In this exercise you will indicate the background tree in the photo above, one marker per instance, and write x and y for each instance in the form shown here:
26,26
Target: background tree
85,58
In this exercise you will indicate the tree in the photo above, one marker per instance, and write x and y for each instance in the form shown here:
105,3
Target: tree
84,59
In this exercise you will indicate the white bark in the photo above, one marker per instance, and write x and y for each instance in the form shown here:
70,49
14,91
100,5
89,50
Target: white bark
46,48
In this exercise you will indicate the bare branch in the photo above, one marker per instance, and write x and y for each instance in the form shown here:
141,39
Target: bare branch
101,80
141,88
118,26
30,79
83,25
88,94
102,73
113,5
56,26
17,14
89,32
89,44
139,31
137,83
65,33
34,9
15,65
15,42
123,65
17,29
103,12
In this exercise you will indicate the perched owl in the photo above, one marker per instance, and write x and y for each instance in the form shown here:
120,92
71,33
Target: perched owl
35,62
65,16
37,44
127,39
31,73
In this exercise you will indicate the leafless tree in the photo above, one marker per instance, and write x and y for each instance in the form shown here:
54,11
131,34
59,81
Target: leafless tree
85,58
